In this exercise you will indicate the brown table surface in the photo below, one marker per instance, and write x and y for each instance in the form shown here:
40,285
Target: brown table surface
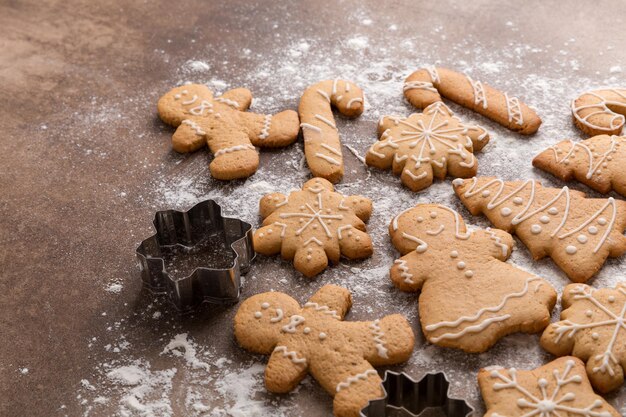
85,162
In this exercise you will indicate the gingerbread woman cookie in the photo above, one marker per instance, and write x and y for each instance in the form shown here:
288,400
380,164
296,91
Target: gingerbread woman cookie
314,339
322,146
593,328
557,389
426,145
600,112
314,225
224,125
426,86
577,232
597,162
470,296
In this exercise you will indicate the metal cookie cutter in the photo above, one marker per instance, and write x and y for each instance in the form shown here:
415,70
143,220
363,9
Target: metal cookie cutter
402,392
196,255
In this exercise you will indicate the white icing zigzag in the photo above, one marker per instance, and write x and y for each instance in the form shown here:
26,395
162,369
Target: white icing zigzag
594,166
358,377
603,108
292,355
378,338
323,309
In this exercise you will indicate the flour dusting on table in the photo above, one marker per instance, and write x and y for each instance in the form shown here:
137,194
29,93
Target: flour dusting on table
203,374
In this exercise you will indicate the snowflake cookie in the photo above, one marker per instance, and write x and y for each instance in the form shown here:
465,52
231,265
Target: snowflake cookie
577,232
224,125
593,328
597,162
314,339
322,146
314,225
426,145
470,296
426,86
557,389
601,111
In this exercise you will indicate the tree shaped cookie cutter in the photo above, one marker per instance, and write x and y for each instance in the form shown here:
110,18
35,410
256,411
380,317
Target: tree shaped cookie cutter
189,230
403,392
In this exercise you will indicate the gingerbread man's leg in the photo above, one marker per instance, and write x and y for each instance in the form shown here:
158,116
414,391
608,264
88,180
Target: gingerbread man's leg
269,131
189,136
285,369
359,383
234,155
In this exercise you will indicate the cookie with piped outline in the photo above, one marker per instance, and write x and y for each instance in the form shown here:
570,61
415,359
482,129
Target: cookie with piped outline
314,225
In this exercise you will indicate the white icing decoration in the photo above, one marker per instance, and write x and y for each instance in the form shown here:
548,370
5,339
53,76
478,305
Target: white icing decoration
571,249
419,85
421,245
233,149
378,336
258,314
229,102
322,336
358,377
454,254
486,322
190,101
568,328
582,238
513,110
194,126
460,265
525,214
553,210
267,122
324,94
434,75
325,120
294,322
292,355
594,165
544,219
469,274
314,215
324,309
327,158
279,316
354,100
617,120
479,92
265,306
310,127
535,229
199,109
404,271
436,232
505,211
593,230
497,241
549,404
425,137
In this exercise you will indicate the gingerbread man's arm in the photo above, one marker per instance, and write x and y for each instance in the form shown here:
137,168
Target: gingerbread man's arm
270,202
238,98
189,136
269,131
387,341
494,242
285,369
337,300
408,273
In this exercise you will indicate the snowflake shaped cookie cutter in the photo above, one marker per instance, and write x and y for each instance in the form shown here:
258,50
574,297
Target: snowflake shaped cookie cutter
404,393
221,245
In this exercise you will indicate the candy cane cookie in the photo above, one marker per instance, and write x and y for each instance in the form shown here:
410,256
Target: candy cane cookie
600,112
322,146
427,85
224,125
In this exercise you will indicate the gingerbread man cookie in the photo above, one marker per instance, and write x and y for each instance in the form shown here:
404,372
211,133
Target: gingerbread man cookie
557,389
597,162
600,112
224,125
426,86
577,232
314,225
593,328
314,339
470,296
322,146
426,145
